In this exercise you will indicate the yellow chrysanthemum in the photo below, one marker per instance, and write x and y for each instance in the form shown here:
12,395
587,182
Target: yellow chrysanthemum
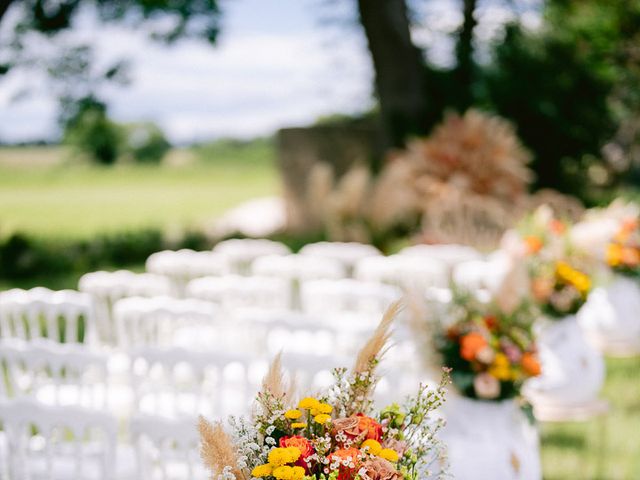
501,367
281,456
389,454
308,403
298,425
294,453
293,414
298,473
374,447
322,418
261,471
283,473
324,408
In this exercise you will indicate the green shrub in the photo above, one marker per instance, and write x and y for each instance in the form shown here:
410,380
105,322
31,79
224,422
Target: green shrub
145,142
92,133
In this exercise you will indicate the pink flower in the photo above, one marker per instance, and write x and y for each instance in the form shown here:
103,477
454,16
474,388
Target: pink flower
486,386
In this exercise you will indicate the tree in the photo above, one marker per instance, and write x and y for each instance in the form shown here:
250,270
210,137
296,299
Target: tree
76,80
399,68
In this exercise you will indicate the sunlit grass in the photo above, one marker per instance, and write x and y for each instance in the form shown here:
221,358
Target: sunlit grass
602,449
72,199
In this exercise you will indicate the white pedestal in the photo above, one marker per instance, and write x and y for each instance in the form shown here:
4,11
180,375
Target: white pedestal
492,440
611,317
573,371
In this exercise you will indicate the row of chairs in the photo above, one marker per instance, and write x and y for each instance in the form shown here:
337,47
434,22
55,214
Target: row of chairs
62,442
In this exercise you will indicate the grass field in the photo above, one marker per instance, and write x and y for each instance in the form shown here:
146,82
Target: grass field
43,192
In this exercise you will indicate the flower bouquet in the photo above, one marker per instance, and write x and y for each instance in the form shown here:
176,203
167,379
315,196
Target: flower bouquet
610,316
491,351
623,253
559,288
332,436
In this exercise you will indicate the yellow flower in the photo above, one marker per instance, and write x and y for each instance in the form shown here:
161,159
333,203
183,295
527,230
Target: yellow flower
374,447
293,414
294,453
389,454
322,418
570,275
282,456
308,403
501,368
261,471
298,473
324,408
298,425
283,473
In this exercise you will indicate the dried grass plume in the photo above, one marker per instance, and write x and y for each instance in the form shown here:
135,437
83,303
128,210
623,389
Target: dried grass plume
373,350
217,449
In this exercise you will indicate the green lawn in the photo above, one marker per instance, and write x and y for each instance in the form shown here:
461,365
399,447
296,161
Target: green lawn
43,192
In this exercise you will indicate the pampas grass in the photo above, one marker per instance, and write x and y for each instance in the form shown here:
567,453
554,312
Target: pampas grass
372,351
275,384
217,449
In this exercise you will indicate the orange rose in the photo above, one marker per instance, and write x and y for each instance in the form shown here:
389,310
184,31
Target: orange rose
346,472
471,344
530,364
302,444
557,227
357,425
630,256
533,244
372,428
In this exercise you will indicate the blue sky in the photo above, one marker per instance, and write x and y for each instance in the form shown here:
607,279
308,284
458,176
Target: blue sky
276,64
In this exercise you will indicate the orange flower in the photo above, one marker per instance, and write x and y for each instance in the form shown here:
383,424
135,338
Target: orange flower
533,244
630,256
471,344
369,425
530,364
302,444
557,227
346,472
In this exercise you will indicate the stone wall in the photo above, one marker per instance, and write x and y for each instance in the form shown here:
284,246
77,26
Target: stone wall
300,149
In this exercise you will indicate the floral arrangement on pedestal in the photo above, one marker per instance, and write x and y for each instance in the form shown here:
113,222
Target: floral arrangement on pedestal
490,352
331,436
623,253
559,288
558,285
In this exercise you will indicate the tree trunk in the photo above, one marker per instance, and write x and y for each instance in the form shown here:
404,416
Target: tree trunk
464,71
399,68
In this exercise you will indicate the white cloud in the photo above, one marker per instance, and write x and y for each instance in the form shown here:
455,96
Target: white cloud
250,83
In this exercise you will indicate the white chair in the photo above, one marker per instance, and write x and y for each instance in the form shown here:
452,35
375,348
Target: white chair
482,275
347,295
154,321
177,382
347,253
234,291
53,373
450,254
106,288
296,269
184,265
295,332
64,315
403,271
167,449
242,252
58,443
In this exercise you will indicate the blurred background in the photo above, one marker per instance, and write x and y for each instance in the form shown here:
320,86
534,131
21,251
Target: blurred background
129,127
